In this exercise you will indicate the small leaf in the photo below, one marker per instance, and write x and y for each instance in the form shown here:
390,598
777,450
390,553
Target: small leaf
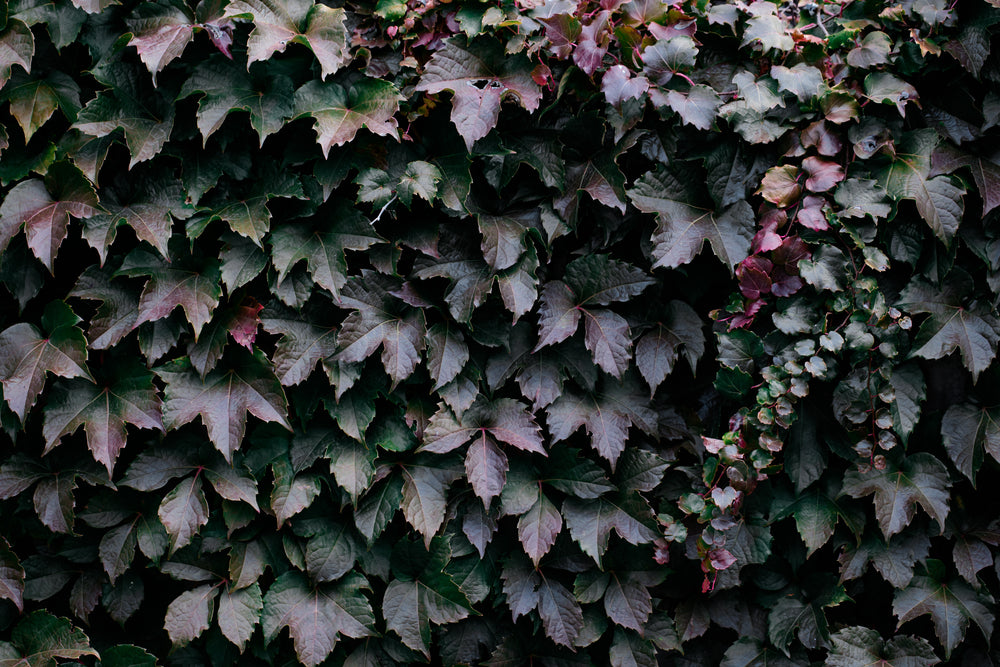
561,615
239,613
538,528
183,512
190,614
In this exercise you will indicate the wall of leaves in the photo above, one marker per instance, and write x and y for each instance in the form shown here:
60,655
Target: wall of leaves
546,332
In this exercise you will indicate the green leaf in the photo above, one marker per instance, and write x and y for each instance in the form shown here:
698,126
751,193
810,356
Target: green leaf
11,575
790,617
951,606
193,286
43,209
590,522
894,559
103,410
627,601
953,324
969,431
28,355
280,22
856,646
183,512
683,228
767,30
803,81
148,202
266,94
698,107
145,117
40,638
425,485
17,46
291,493
222,399
447,353
323,246
921,480
331,553
938,199
561,615
33,99
480,77
303,343
190,614
239,613
816,517
861,197
886,88
317,616
246,209
907,382
126,655
872,50
376,322
340,110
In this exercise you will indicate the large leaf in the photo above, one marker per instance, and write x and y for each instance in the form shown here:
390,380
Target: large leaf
278,23
103,409
411,606
40,638
341,110
480,77
17,46
590,522
161,31
190,614
303,343
857,646
920,480
28,354
684,227
34,99
316,616
222,399
43,209
951,605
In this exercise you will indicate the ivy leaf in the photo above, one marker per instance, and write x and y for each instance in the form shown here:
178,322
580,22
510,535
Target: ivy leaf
505,419
239,613
607,336
951,606
480,77
292,493
856,646
183,511
804,81
161,31
340,110
11,576
303,343
447,353
907,383
17,46
39,638
376,321
606,416
921,480
425,487
872,50
938,199
148,202
103,410
224,87
323,246
222,399
245,210
683,228
767,30
193,286
698,107
43,209
974,331
561,614
538,528
276,24
894,559
140,112
590,522
190,614
627,601
658,349
317,616
331,552
968,431
34,99
28,355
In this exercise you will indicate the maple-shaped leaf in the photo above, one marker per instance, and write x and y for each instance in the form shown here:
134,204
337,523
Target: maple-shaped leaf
43,208
480,77
953,324
505,419
238,320
303,343
103,409
244,207
118,311
148,201
684,227
222,399
341,109
322,244
857,646
792,616
894,558
592,167
316,616
947,158
378,321
951,605
292,492
505,236
26,355
768,30
606,416
969,431
278,23
192,285
698,107
40,638
17,46
590,521
161,30
224,86
34,99
920,480
658,349
132,105
938,198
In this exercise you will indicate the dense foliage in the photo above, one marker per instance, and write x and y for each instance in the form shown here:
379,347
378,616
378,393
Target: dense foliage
524,332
